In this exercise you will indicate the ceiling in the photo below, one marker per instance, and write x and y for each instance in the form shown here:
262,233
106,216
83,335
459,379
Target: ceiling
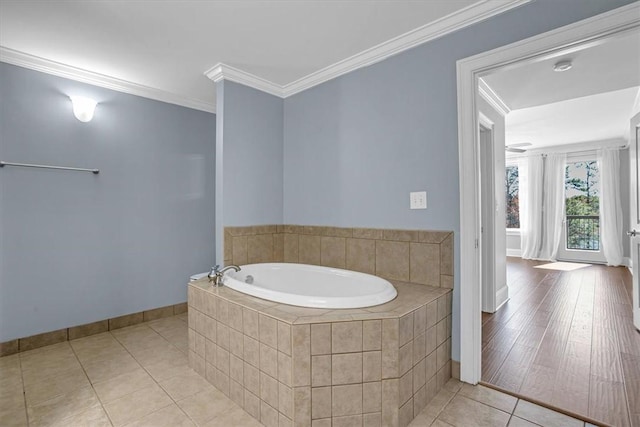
592,101
167,46
601,117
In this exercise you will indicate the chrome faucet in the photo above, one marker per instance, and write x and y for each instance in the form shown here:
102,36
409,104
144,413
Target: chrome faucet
216,273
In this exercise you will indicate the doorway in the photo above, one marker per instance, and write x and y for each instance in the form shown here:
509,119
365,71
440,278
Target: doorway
531,345
542,47
551,45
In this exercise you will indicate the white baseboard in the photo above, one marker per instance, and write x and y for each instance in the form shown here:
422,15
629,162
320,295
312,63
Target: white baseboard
503,303
514,252
502,296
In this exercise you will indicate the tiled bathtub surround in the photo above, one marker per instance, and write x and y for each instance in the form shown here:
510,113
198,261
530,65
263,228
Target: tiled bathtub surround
289,365
416,256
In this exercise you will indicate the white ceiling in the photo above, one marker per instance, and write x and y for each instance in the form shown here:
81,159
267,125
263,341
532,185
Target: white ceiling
168,45
599,68
600,117
593,101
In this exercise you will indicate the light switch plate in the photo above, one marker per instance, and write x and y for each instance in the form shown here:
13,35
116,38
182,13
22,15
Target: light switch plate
418,200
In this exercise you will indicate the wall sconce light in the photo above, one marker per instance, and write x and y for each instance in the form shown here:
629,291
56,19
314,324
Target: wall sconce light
83,108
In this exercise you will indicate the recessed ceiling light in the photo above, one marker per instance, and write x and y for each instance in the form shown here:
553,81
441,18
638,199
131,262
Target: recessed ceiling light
562,66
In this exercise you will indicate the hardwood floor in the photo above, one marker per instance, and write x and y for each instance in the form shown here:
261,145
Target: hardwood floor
567,338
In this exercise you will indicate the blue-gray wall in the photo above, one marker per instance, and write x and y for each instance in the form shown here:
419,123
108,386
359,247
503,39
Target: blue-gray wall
354,147
250,131
77,247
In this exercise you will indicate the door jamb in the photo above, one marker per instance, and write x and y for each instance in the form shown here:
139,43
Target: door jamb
547,45
488,297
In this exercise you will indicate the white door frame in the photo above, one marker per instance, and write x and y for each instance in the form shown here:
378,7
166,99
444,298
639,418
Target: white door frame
544,46
634,220
487,235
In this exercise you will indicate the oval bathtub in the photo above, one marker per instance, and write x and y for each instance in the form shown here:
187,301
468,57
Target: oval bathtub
310,285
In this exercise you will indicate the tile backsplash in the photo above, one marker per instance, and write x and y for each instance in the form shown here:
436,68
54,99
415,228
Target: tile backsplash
416,256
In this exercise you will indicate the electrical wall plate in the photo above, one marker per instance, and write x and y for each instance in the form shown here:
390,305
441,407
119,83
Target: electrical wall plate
418,200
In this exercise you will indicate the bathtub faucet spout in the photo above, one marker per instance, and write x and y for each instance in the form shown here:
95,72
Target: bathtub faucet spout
216,273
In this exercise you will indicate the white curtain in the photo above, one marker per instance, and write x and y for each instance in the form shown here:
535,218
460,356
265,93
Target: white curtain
541,192
610,205
530,171
553,206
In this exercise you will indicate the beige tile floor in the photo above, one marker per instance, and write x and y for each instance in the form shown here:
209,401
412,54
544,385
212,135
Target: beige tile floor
139,376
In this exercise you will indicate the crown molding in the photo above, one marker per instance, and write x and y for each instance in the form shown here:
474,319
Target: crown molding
32,62
470,15
477,12
222,71
492,98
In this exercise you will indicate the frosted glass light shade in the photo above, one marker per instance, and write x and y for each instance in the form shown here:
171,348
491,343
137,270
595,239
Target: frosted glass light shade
83,108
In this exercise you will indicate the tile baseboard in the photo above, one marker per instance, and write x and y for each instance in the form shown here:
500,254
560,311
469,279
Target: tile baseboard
67,334
455,369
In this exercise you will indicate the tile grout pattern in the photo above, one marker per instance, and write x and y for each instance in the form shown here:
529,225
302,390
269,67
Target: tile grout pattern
138,376
567,339
80,331
463,405
132,376
332,372
417,256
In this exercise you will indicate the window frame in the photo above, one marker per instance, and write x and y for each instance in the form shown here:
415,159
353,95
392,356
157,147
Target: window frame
579,255
512,231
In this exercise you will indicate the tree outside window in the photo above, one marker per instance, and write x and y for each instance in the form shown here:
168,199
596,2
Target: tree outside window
513,202
582,203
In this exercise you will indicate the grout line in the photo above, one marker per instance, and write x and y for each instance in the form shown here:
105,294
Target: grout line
143,368
126,349
443,406
108,320
540,403
91,383
24,391
175,402
150,375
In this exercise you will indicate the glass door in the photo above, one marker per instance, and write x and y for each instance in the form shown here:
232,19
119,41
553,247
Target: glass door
581,230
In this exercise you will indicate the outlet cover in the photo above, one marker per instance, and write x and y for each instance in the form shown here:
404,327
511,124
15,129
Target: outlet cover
418,200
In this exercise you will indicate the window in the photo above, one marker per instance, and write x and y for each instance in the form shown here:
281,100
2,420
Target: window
513,203
582,203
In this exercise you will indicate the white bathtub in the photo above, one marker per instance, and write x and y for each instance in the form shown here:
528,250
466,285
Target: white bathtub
310,285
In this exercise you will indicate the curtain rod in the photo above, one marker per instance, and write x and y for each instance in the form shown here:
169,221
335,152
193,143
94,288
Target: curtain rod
620,147
537,151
